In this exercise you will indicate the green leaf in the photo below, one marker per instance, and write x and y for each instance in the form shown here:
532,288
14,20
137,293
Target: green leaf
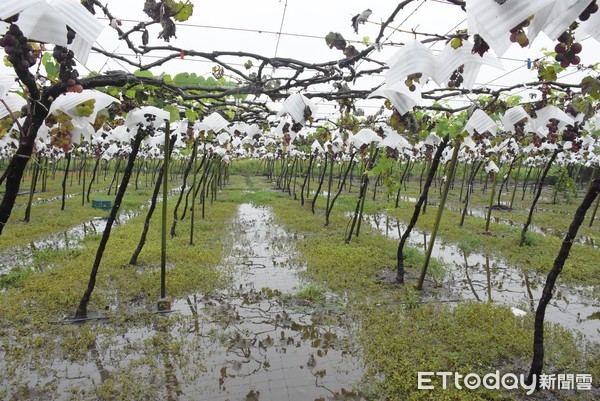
186,79
167,78
157,102
591,86
549,73
181,79
52,67
191,115
184,11
230,114
382,166
174,111
114,92
514,100
143,74
130,93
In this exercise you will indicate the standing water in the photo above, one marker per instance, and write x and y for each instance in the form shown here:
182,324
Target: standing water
259,339
481,277
270,344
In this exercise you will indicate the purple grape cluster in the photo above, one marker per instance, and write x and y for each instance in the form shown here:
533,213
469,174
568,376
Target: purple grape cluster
68,74
19,51
567,50
591,9
456,79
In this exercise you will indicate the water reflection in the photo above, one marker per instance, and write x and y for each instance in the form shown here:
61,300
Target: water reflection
483,277
22,257
269,344
482,214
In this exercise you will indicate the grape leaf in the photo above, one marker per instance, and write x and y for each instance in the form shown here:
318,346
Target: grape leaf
130,93
591,86
583,105
230,114
184,11
52,67
181,79
143,74
191,115
174,111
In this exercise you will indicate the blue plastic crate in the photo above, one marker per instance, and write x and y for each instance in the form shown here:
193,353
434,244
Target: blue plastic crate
102,204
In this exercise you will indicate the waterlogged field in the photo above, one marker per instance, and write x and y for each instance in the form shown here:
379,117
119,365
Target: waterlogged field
270,304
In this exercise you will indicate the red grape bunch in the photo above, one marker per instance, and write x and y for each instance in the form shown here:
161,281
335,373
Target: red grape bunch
567,50
536,140
70,35
518,35
480,46
573,133
411,79
571,110
520,130
552,135
19,51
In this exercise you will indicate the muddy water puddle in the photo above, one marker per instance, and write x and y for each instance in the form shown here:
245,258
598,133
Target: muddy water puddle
485,278
269,344
22,257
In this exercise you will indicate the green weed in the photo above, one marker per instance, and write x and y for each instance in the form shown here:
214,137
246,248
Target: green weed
312,292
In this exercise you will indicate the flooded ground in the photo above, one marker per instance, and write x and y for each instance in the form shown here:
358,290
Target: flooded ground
275,345
485,278
503,216
264,337
22,257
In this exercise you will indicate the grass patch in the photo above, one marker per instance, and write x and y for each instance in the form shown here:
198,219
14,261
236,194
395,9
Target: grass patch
530,239
469,244
312,292
15,278
471,337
